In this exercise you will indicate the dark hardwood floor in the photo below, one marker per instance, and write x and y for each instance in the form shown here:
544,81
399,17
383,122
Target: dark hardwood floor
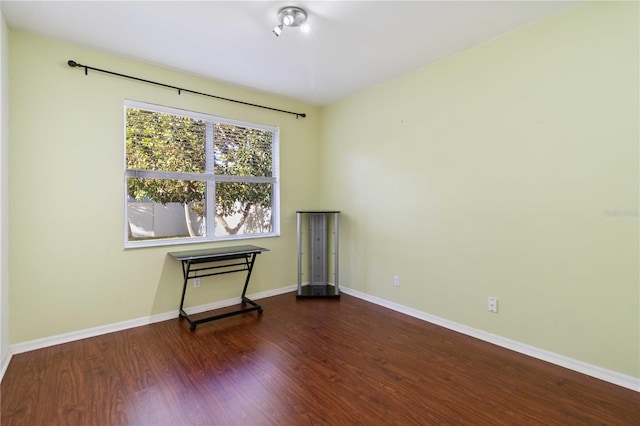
302,362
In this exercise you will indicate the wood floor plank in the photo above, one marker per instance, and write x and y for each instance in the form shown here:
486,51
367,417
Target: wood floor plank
316,362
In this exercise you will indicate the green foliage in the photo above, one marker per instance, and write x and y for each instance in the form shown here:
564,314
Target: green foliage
170,143
241,151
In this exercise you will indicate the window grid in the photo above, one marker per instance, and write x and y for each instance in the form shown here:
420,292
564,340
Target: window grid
251,157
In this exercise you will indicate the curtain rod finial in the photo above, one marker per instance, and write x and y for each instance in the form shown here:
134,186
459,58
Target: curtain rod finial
72,63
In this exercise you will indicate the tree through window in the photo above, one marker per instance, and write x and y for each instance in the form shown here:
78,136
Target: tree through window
195,177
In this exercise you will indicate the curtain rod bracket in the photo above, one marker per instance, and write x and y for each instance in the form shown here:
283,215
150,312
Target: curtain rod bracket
74,64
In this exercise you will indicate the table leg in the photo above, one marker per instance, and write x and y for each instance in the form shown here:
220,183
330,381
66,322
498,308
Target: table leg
186,265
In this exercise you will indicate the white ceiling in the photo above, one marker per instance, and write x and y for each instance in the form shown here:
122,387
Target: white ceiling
352,45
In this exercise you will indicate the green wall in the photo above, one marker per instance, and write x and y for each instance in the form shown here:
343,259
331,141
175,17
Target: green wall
69,268
4,196
509,170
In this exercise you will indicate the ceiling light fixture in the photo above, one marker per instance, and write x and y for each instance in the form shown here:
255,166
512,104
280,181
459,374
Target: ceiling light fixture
291,16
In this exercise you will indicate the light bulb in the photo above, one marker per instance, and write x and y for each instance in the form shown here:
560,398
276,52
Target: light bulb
305,28
278,30
288,20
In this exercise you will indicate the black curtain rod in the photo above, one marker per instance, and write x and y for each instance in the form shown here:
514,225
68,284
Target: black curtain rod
74,64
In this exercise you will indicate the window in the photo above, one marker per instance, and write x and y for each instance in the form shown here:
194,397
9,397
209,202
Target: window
192,177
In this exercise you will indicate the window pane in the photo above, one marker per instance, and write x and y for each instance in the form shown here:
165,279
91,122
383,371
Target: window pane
243,208
163,208
164,142
242,151
185,170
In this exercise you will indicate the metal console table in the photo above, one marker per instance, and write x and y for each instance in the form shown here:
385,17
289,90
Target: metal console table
197,264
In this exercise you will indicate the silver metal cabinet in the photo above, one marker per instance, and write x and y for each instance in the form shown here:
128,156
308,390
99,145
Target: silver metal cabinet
318,253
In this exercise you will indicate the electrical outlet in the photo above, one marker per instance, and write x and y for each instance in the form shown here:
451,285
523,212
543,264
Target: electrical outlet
396,281
196,283
492,304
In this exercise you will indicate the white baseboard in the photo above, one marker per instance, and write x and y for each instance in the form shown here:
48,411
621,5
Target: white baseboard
610,376
4,362
110,328
59,339
237,300
616,378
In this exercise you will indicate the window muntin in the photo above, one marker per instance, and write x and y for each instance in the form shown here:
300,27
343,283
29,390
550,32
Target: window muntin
192,177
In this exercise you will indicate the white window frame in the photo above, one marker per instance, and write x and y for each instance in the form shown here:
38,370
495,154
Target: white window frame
209,176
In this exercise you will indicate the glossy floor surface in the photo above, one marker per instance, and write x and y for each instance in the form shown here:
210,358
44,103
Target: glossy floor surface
308,361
